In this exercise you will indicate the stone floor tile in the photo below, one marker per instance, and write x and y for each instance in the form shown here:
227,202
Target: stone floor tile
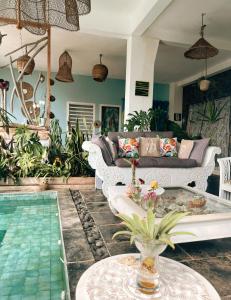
108,231
75,270
176,254
211,248
217,270
103,218
121,248
98,207
93,196
76,246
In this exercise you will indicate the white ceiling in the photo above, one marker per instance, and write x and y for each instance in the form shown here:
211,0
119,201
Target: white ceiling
110,22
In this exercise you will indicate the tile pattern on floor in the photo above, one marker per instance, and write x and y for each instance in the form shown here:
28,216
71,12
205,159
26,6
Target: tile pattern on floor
212,259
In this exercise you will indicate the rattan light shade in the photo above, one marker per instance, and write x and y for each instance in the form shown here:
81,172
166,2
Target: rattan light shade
201,50
21,63
100,71
65,65
43,13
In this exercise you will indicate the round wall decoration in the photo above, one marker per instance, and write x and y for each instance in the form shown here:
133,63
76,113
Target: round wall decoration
27,89
34,112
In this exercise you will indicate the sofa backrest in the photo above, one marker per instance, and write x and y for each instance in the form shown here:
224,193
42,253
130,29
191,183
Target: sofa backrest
113,136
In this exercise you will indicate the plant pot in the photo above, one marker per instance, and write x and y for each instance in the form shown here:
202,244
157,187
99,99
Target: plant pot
148,274
43,184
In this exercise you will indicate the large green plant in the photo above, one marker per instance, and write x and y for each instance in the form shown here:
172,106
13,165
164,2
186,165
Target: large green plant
76,157
56,148
211,113
148,229
141,119
27,142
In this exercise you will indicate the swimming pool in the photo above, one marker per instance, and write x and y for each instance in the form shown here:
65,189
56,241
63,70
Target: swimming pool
31,248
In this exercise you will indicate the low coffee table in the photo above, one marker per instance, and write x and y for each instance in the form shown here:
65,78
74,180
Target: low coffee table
211,222
114,278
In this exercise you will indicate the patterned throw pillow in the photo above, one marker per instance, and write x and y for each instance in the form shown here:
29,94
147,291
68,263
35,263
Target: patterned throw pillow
168,147
129,147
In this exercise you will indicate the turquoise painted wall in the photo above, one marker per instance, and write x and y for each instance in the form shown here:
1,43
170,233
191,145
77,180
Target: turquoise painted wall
83,89
161,91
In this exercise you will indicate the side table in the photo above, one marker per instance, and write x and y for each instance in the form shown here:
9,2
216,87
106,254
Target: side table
111,278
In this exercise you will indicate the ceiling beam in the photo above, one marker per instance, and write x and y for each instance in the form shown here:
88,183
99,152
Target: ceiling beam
146,14
185,40
222,66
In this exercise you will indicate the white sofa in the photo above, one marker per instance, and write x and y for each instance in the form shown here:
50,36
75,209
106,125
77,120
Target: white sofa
110,175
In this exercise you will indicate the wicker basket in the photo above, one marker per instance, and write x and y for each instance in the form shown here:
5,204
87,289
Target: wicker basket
65,65
100,71
22,61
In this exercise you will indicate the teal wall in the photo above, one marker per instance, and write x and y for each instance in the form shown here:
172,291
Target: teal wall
83,89
161,92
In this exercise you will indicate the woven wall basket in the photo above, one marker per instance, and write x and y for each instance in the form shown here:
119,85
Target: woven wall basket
27,90
65,65
31,110
22,61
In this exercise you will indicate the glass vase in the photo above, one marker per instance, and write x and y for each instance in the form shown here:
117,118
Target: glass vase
148,275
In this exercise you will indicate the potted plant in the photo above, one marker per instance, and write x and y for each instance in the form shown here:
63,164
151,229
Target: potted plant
151,237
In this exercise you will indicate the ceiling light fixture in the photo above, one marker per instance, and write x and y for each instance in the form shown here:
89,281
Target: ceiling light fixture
38,16
202,49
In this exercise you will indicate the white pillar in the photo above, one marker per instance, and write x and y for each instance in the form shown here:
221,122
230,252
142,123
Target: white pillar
141,56
175,101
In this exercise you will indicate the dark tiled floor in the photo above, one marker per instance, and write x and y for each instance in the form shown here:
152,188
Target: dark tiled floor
212,259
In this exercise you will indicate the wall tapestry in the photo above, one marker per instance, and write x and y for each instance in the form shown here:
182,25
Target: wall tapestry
211,119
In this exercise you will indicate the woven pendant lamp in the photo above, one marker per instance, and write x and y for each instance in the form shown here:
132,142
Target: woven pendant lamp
202,49
65,65
21,63
100,71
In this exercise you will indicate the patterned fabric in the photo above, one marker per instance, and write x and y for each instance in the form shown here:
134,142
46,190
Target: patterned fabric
129,147
168,147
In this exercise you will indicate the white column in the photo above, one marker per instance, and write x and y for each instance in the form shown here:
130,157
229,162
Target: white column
141,55
175,101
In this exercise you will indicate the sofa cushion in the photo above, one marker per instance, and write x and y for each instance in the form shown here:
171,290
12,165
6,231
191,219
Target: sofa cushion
113,148
149,146
199,149
106,152
185,149
159,162
129,147
168,147
113,136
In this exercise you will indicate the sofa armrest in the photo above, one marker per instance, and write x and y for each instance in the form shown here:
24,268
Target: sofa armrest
209,159
95,157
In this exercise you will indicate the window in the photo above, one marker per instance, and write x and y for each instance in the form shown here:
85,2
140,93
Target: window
84,112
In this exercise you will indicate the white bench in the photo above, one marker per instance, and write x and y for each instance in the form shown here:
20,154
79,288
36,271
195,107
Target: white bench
110,175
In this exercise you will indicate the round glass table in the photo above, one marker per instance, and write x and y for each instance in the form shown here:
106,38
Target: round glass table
113,279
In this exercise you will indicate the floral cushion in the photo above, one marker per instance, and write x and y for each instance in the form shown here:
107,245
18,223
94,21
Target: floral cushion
168,147
129,147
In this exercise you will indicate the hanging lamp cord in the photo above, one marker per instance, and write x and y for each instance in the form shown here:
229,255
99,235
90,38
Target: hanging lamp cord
202,25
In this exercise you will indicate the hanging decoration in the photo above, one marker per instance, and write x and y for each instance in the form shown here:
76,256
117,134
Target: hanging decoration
100,71
1,36
65,66
202,49
37,16
22,61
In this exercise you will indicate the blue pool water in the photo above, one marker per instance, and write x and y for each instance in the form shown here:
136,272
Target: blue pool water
30,248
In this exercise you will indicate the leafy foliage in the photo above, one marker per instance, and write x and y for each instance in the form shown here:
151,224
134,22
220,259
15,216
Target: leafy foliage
212,113
148,229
